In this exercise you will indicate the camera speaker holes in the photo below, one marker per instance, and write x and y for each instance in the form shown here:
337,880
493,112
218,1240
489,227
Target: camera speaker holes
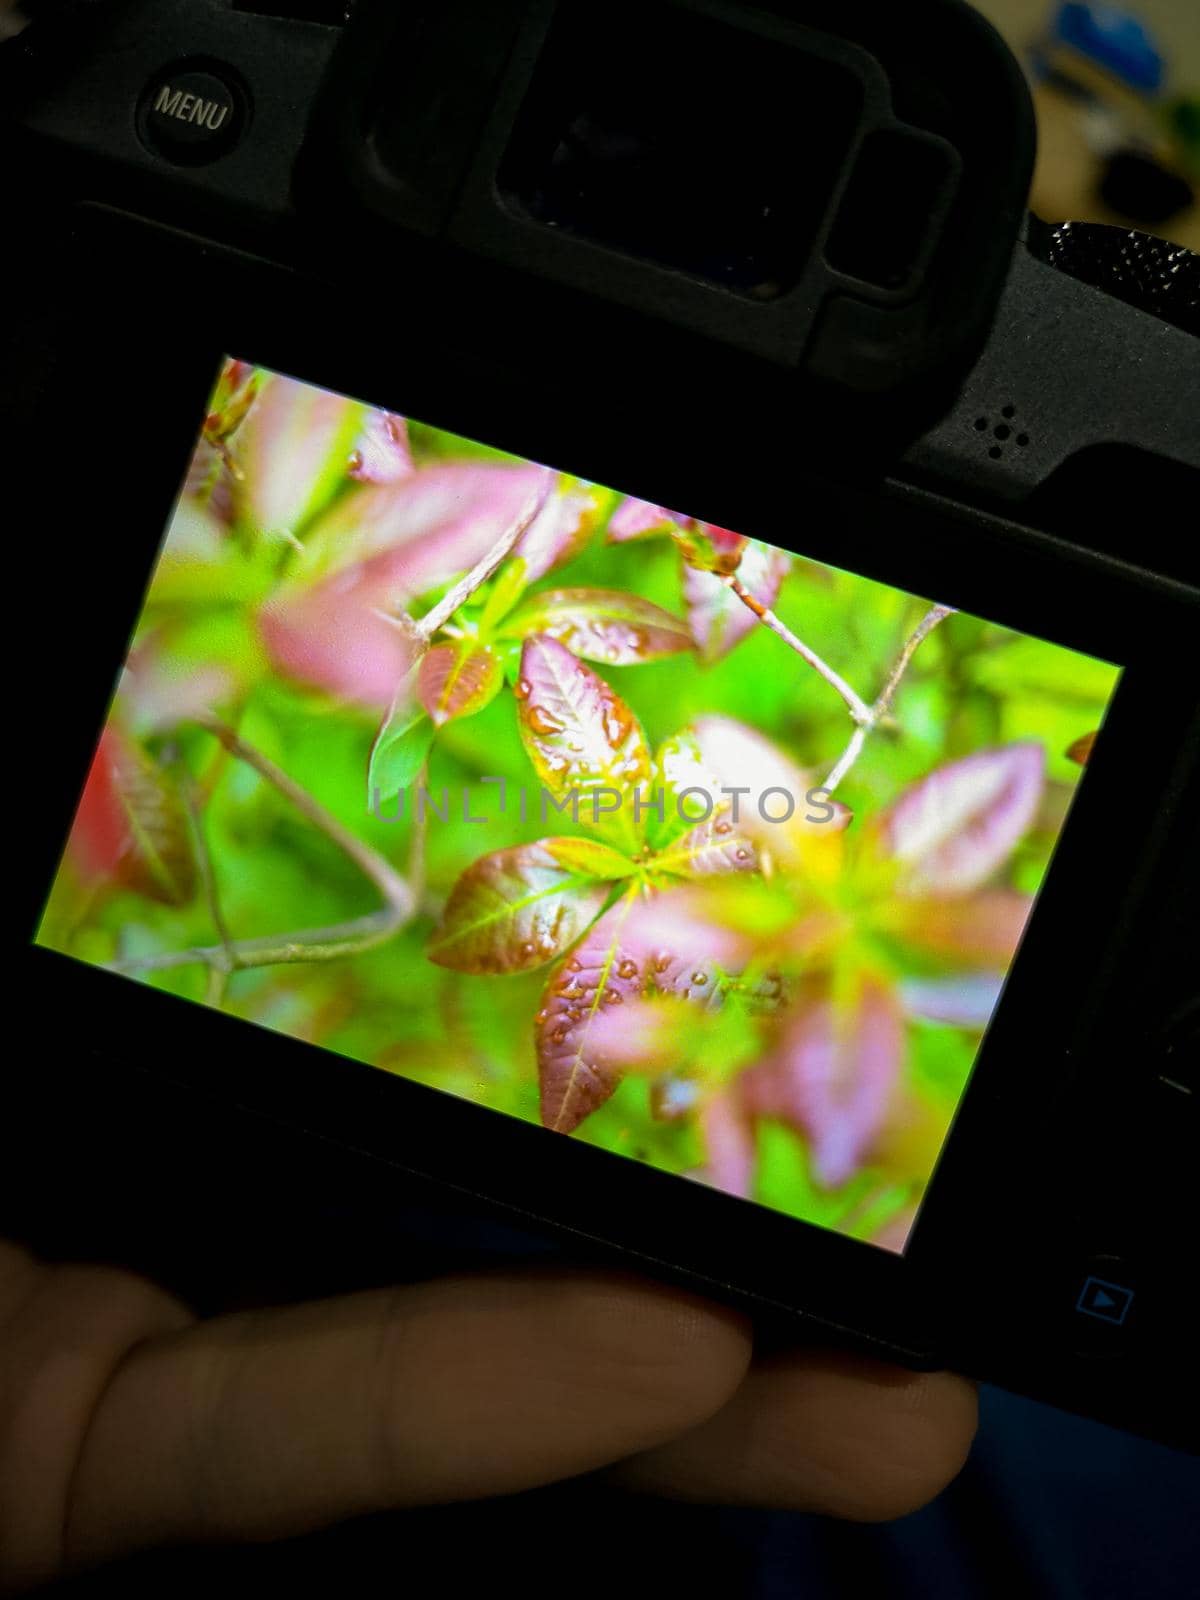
1001,431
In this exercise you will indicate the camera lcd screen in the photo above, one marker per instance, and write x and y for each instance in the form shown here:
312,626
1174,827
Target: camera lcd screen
576,806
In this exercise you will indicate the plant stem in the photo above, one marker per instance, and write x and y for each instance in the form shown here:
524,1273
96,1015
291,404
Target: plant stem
859,709
922,631
311,944
880,709
278,950
466,586
219,971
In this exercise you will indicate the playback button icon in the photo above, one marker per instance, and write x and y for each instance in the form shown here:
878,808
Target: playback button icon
1107,1302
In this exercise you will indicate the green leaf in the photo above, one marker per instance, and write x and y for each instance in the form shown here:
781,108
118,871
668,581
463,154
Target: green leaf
602,625
459,679
403,741
507,588
517,909
591,858
1021,663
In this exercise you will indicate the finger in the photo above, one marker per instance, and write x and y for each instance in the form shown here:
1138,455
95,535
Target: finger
266,1424
821,1432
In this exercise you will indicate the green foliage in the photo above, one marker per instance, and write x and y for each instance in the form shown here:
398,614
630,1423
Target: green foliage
782,1009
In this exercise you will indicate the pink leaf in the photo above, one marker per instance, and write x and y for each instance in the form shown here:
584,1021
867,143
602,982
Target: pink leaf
558,533
634,518
728,1134
458,680
712,846
894,1233
674,937
293,448
602,625
631,955
375,551
956,828
964,1002
834,1074
717,618
382,454
739,757
597,974
332,637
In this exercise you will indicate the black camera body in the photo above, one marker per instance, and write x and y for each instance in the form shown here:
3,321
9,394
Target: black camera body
772,263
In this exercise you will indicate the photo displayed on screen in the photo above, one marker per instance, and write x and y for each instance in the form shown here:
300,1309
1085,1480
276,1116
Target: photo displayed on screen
571,805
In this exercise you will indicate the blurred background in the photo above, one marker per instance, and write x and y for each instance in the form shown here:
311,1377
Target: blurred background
1117,90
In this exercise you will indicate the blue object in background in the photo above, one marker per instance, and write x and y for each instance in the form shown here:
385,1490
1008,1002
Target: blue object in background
1113,39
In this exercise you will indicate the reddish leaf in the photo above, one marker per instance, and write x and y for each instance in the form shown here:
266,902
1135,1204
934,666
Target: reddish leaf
382,453
834,1074
584,742
458,680
131,827
601,625
636,950
717,618
236,391
957,827
982,929
1080,752
708,548
516,909
597,974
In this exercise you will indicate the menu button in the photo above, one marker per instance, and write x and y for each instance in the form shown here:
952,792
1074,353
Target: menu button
191,116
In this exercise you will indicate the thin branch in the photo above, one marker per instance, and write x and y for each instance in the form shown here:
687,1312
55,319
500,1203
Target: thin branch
483,570
369,862
312,944
922,631
219,970
879,711
849,756
859,709
278,950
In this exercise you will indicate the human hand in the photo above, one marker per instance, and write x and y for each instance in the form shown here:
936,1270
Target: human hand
125,1422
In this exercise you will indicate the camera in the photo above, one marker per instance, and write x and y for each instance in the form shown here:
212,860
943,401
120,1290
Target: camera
666,700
